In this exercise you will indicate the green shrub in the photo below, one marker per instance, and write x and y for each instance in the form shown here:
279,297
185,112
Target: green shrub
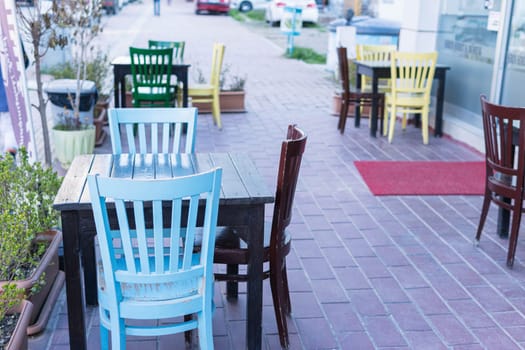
236,15
256,15
307,55
97,71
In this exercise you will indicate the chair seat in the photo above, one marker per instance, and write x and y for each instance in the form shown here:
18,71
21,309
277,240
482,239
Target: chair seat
408,99
200,89
230,248
155,93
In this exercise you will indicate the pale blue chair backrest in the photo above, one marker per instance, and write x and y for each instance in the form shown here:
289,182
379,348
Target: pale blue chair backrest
149,270
152,130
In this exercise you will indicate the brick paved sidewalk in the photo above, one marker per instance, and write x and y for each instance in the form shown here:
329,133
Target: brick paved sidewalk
394,272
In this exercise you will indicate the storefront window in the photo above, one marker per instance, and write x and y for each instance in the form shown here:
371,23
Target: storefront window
466,42
512,91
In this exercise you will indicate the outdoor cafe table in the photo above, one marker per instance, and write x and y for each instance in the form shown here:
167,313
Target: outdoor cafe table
122,67
380,70
242,201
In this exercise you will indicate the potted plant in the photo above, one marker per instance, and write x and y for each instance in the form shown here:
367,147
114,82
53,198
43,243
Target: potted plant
97,70
231,95
30,241
83,20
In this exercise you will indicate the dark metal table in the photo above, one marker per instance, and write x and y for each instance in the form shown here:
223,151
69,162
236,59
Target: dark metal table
242,202
122,67
381,70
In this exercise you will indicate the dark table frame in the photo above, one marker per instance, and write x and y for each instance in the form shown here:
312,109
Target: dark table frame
242,203
380,70
122,67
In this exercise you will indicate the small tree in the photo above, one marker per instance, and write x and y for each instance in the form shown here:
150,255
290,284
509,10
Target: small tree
83,19
37,26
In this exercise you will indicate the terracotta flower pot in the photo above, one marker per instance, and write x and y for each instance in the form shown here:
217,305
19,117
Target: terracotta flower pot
230,101
336,108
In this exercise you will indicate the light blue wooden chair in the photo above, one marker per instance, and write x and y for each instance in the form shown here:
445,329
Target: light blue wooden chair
148,271
152,130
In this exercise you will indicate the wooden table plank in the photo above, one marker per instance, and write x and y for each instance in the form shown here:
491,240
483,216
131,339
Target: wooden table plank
143,168
122,166
163,166
182,164
231,181
70,192
251,178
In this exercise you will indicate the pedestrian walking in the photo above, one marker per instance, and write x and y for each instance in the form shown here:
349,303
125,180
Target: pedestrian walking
156,7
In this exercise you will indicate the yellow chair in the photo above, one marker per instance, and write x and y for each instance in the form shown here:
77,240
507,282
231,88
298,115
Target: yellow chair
366,52
411,75
210,92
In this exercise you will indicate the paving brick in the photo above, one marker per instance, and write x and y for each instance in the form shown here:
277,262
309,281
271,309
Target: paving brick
471,313
408,317
383,332
451,330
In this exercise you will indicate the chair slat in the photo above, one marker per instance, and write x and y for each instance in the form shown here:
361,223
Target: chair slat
155,130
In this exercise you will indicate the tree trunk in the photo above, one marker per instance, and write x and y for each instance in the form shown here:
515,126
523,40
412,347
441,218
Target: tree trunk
42,109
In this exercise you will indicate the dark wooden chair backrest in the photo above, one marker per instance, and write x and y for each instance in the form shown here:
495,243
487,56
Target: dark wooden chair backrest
504,132
343,69
292,150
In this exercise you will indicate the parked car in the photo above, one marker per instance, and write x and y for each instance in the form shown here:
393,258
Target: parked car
212,6
275,9
248,5
112,6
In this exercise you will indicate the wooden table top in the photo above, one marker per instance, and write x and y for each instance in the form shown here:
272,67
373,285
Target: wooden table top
241,181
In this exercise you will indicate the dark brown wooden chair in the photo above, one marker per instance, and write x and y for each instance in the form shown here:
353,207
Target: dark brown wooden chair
357,98
504,131
231,250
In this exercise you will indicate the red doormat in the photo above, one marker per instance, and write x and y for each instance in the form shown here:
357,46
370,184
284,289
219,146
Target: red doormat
385,178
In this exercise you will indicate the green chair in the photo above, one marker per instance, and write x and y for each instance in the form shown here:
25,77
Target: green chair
177,46
151,77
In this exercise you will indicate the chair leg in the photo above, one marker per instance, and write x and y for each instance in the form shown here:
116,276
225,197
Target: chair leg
277,286
205,329
188,334
104,338
484,212
342,116
380,118
404,121
385,120
118,333
288,303
232,287
424,125
514,232
216,111
391,123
